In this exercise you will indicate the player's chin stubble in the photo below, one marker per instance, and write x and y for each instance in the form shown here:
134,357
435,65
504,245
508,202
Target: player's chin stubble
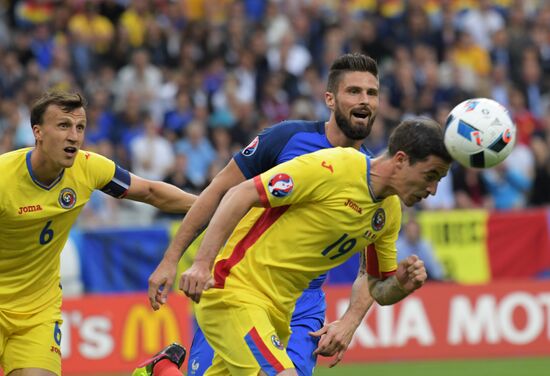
354,133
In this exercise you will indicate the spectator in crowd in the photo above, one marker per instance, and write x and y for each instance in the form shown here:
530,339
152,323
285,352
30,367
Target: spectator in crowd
177,118
471,57
91,34
178,175
501,85
127,124
11,73
540,144
141,78
469,189
152,155
134,21
532,83
525,120
482,22
508,185
199,152
411,242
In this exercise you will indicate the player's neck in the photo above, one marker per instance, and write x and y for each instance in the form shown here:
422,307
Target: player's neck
337,138
44,170
380,178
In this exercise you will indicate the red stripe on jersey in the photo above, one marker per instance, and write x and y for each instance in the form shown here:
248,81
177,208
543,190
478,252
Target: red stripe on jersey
373,268
261,191
372,261
223,267
265,351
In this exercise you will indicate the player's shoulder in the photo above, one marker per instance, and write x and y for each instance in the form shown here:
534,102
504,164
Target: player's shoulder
92,162
343,153
338,154
85,157
339,160
393,204
10,158
289,128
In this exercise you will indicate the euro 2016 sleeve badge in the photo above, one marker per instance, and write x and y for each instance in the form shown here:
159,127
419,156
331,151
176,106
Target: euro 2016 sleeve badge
280,185
67,198
251,148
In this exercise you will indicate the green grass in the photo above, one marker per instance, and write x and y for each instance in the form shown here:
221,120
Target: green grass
486,367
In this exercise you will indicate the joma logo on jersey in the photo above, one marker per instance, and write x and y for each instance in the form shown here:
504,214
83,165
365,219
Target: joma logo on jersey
352,204
56,350
29,209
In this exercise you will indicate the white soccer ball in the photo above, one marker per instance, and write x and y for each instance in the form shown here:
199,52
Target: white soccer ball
479,133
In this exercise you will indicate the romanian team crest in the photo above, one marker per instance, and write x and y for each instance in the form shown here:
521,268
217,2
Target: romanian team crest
67,198
276,342
251,148
378,219
280,185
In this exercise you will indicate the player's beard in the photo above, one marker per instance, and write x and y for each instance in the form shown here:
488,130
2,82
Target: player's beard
350,131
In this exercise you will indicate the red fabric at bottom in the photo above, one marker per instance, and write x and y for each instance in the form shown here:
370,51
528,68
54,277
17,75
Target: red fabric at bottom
166,368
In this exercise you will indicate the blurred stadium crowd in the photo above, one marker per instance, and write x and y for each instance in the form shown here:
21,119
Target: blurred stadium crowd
175,87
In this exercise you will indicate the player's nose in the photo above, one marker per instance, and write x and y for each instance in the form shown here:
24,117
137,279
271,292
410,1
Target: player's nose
73,134
432,188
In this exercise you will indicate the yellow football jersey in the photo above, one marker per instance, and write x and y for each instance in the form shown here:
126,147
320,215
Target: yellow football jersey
35,221
319,211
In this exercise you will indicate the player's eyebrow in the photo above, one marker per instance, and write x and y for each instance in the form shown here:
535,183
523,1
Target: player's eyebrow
436,172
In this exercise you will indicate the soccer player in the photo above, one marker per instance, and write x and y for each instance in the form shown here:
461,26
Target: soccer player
318,210
42,191
352,97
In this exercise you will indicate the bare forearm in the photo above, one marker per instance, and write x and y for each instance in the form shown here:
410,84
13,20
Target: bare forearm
388,291
360,300
168,198
203,209
194,223
231,210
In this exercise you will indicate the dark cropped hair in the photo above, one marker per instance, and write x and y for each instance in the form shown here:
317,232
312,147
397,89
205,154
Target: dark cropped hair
419,138
66,101
354,62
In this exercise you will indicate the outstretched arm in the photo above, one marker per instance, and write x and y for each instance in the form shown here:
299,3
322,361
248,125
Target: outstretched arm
232,209
336,336
192,225
410,275
163,196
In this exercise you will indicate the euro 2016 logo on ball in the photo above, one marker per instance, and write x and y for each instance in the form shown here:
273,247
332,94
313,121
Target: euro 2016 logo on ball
479,133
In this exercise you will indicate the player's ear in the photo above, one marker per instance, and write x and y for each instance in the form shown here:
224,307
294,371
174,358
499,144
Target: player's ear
329,100
401,159
37,131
